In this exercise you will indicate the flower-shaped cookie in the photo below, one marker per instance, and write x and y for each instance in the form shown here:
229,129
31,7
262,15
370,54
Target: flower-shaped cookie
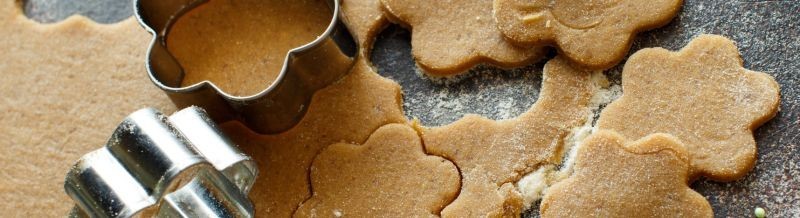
703,96
493,155
347,111
449,37
596,34
647,178
389,174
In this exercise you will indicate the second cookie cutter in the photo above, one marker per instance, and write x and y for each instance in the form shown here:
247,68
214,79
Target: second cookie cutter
153,165
279,107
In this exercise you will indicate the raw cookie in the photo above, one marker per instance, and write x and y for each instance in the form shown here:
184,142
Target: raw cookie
451,36
492,155
647,178
66,86
365,19
347,111
389,174
241,45
595,34
700,94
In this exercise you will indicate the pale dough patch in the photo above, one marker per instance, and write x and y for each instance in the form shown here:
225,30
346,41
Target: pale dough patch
66,86
389,174
241,45
703,96
347,111
594,34
493,155
646,178
452,36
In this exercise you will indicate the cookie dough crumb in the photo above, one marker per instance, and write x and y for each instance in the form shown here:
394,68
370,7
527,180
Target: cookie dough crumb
533,185
605,94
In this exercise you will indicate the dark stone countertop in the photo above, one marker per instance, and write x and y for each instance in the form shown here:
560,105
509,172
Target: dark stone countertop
766,31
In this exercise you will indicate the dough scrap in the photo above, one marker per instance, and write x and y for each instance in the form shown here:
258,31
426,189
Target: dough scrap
700,94
241,45
66,86
594,34
389,174
451,36
347,111
646,178
492,155
365,19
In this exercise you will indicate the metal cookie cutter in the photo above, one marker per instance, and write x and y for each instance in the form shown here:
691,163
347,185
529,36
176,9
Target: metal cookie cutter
181,166
279,107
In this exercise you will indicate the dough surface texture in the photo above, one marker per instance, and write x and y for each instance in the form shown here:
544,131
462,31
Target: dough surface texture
451,36
241,45
595,34
646,178
493,155
389,174
66,86
703,96
347,111
365,20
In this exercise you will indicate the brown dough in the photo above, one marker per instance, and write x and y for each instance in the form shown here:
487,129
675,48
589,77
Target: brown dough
647,178
700,94
389,174
66,86
365,19
492,155
451,36
594,34
347,111
241,45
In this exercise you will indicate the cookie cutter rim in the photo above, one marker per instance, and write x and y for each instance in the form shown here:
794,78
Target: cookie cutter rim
305,47
277,107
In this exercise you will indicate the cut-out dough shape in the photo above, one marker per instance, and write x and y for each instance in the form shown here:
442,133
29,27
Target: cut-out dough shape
389,174
65,87
646,178
347,111
594,34
492,155
450,37
365,19
241,45
700,94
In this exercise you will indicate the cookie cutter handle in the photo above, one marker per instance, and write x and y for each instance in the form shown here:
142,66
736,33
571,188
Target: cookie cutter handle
219,150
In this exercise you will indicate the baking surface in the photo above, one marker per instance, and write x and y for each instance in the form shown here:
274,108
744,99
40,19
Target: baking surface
767,34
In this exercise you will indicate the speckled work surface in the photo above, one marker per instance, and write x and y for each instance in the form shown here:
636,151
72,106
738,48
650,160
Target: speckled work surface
767,33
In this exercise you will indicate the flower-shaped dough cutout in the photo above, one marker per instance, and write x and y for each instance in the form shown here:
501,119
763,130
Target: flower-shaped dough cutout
241,45
596,34
646,178
493,155
389,174
451,36
700,94
347,111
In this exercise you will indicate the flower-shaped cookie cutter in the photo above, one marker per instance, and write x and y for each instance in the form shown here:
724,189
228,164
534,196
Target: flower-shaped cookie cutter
180,166
280,106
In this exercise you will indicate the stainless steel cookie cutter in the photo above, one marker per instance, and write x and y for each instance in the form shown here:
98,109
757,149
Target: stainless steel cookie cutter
279,107
153,165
